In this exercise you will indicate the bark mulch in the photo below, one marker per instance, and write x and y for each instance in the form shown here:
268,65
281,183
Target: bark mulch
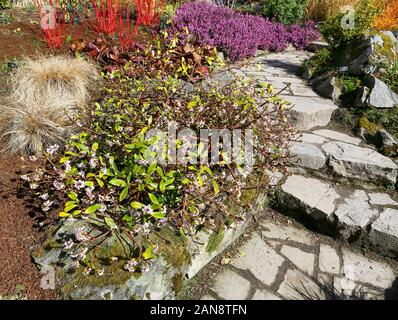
19,229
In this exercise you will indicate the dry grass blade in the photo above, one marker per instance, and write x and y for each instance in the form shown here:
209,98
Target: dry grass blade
47,94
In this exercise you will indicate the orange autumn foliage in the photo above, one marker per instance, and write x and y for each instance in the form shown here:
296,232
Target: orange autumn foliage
389,18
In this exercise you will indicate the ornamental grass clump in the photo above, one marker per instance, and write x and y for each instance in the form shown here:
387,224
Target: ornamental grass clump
238,35
46,95
104,176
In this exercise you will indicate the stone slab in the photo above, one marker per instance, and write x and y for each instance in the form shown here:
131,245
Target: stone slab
360,163
310,112
260,259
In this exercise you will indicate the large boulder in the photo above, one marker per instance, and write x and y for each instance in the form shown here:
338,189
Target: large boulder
177,257
380,94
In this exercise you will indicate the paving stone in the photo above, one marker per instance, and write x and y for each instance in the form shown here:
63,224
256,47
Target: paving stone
381,199
296,286
310,112
315,197
359,268
350,290
311,138
260,259
366,164
335,135
291,79
307,155
303,260
355,213
384,231
329,260
231,286
264,295
286,233
303,90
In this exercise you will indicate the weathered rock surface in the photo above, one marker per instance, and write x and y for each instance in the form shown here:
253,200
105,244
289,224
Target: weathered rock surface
310,112
384,231
179,258
315,197
355,214
307,263
380,95
335,135
307,155
359,216
351,161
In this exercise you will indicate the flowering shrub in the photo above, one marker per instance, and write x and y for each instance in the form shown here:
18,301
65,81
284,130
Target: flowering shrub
179,55
389,17
301,36
239,35
104,176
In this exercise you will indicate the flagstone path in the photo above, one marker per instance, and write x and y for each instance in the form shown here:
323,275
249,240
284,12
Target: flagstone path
338,185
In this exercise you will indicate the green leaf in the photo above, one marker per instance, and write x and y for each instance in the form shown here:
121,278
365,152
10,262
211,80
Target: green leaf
89,184
152,168
137,205
64,159
69,207
162,186
215,186
147,254
92,209
118,182
64,215
76,213
100,182
123,194
200,180
94,147
160,171
158,215
191,104
153,198
169,181
110,223
73,196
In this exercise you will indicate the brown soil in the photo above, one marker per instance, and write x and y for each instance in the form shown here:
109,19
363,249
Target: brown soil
24,38
18,231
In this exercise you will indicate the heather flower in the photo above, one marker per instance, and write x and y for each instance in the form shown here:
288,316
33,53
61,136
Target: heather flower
239,35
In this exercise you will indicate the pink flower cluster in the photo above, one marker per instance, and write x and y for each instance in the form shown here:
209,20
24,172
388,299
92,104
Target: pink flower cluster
240,35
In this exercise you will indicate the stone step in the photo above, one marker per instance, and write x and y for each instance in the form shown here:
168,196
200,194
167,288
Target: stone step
353,214
310,112
327,153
